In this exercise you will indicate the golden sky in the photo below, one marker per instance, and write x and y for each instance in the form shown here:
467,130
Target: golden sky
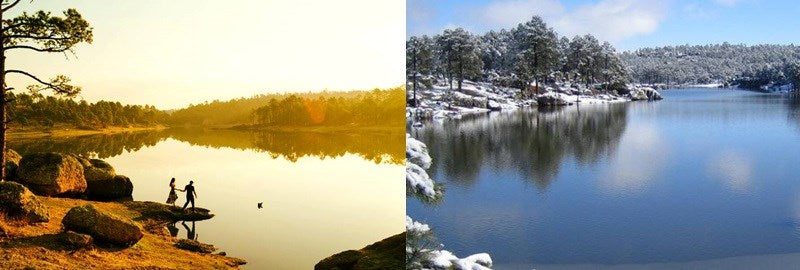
170,53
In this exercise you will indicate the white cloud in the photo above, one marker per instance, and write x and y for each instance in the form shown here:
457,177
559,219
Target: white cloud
727,2
513,12
611,20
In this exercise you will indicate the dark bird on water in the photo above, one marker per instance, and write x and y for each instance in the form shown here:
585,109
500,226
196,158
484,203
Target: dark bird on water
260,205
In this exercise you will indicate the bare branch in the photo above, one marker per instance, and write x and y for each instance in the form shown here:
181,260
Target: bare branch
35,49
11,5
36,37
59,84
27,74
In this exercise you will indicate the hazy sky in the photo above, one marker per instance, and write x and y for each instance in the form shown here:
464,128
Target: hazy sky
170,53
628,24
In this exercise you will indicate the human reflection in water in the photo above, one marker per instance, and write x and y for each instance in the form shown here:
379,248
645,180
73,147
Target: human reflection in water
173,231
190,233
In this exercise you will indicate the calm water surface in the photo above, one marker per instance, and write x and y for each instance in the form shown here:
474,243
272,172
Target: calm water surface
702,179
322,194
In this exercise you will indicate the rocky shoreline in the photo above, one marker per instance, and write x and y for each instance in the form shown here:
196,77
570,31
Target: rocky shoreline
59,210
384,254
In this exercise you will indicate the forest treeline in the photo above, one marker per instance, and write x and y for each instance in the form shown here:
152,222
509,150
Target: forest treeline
358,108
374,108
46,111
749,66
530,54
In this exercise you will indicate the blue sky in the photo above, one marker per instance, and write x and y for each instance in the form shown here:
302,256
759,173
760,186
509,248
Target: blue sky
628,24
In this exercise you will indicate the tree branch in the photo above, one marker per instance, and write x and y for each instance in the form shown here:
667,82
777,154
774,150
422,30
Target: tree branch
35,49
37,37
59,84
27,74
11,5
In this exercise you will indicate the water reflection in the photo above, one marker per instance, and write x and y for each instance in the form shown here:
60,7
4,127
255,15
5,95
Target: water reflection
190,233
635,166
794,109
101,145
735,169
376,147
533,144
702,175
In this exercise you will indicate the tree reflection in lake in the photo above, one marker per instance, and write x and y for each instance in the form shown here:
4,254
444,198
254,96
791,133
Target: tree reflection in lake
540,141
100,146
376,147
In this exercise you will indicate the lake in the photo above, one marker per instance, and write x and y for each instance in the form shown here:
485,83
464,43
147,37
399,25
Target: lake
322,194
705,178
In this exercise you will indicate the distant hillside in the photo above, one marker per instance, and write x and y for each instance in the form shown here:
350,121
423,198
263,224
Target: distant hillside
717,63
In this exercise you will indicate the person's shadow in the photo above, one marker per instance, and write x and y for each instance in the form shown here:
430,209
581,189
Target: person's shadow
190,233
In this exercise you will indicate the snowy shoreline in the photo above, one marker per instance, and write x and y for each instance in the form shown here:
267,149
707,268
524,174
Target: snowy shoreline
439,102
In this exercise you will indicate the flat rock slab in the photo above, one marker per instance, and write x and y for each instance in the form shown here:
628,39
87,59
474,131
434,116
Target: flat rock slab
164,212
76,240
233,261
192,245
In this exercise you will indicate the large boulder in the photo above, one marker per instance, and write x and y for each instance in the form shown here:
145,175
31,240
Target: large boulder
550,100
16,201
637,94
644,93
52,174
118,187
388,253
12,164
102,226
97,170
652,94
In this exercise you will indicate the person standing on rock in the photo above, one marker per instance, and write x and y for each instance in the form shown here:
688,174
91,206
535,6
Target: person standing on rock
190,194
173,196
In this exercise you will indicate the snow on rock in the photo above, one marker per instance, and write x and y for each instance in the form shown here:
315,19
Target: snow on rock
644,93
441,103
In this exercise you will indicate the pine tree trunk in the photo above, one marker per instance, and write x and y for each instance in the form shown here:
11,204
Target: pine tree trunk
2,106
414,63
